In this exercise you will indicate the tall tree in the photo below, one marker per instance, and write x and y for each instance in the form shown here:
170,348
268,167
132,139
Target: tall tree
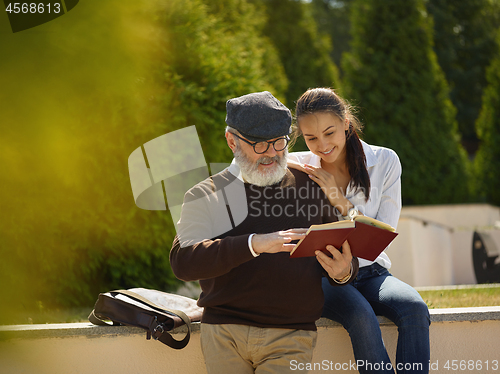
393,75
303,50
332,18
464,41
487,161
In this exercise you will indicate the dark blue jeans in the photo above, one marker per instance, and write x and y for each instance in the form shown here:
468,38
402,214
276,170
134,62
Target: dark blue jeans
376,292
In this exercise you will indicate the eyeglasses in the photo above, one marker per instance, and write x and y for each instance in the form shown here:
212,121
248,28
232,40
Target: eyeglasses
262,147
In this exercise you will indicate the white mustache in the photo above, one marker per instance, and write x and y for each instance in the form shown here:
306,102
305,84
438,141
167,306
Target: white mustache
267,160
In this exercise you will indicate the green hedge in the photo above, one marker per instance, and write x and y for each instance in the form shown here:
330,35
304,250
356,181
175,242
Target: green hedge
464,42
488,129
393,76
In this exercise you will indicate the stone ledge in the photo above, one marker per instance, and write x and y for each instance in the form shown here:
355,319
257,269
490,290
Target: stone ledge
62,330
483,313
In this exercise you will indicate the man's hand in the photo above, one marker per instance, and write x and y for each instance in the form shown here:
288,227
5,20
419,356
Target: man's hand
340,265
277,241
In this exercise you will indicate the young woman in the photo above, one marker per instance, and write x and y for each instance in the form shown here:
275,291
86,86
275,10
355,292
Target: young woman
359,178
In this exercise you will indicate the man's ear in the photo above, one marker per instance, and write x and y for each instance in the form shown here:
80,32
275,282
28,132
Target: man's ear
230,141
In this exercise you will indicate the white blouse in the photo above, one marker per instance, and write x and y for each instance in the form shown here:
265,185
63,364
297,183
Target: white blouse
384,204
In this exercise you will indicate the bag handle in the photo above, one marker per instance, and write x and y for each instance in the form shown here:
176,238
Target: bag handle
97,321
164,338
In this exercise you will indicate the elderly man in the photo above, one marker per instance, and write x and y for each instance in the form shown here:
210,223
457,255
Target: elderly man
234,236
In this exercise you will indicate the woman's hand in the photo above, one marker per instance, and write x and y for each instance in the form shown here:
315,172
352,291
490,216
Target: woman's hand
295,165
327,183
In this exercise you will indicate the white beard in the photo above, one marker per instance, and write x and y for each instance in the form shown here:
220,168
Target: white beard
251,173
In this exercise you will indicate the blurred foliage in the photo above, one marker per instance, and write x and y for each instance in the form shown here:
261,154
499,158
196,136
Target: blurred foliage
393,74
464,41
488,130
74,106
79,94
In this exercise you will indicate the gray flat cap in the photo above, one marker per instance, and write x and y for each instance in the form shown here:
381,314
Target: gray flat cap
258,116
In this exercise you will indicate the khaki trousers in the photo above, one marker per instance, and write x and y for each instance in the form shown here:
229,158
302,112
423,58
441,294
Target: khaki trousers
240,349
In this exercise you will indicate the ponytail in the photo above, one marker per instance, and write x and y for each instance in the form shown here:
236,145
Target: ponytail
356,162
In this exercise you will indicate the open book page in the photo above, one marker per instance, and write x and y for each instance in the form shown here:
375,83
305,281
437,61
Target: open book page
374,222
332,225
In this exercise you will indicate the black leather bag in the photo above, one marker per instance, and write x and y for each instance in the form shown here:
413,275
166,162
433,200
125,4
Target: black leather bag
154,311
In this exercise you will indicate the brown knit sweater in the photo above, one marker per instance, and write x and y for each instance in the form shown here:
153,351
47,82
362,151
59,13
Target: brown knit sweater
271,290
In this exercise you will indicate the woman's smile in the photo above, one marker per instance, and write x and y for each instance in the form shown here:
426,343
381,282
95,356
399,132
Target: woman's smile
326,153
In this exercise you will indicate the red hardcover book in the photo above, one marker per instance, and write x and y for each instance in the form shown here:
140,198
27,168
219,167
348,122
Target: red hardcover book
366,236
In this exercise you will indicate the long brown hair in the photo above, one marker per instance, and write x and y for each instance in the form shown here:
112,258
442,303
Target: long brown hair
320,100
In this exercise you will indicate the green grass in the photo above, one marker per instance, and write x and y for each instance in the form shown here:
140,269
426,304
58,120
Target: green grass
462,296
